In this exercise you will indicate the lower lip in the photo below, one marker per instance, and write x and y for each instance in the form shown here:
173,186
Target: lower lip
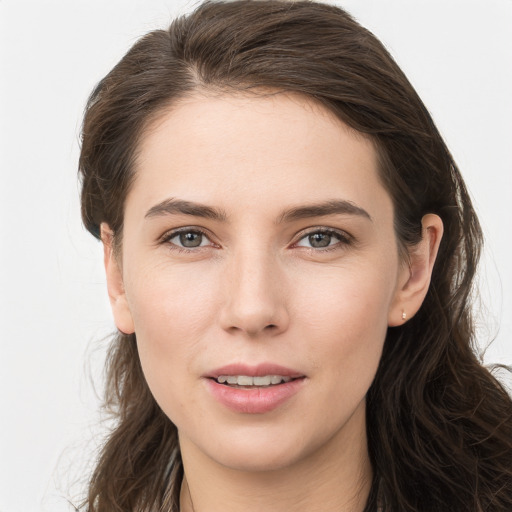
254,401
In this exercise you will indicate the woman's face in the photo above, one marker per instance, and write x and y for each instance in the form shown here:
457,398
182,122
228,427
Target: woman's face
260,272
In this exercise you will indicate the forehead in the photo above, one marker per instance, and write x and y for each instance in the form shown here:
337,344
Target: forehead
255,149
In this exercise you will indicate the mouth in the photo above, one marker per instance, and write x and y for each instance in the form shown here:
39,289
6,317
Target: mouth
251,376
254,389
249,382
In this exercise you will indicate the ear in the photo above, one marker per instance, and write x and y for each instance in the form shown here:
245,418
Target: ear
414,279
115,286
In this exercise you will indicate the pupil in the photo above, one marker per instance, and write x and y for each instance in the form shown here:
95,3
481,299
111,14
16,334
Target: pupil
190,239
319,239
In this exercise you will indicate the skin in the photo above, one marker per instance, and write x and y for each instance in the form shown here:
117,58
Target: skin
255,290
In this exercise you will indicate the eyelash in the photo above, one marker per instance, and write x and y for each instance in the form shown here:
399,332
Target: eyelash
344,239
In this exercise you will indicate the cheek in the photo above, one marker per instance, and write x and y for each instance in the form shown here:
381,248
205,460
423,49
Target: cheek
345,316
350,300
170,299
172,312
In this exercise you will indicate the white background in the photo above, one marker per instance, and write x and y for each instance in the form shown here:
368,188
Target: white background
53,306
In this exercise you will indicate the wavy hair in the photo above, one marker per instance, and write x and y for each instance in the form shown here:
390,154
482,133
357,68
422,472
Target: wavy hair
439,424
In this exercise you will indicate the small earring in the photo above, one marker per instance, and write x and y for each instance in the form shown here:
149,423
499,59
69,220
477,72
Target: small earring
404,315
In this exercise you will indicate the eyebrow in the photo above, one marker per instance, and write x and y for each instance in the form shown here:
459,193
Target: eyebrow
332,207
173,206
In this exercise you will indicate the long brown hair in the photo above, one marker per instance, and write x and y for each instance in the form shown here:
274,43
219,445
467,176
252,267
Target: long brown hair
439,424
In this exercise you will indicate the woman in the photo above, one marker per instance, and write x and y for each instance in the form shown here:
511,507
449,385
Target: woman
289,250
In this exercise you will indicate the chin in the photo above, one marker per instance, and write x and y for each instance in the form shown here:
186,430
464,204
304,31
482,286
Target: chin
251,461
259,451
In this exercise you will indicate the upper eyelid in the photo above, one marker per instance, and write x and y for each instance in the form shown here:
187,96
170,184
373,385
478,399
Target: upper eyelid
175,231
322,229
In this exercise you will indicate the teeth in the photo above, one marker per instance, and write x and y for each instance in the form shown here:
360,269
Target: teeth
245,380
262,381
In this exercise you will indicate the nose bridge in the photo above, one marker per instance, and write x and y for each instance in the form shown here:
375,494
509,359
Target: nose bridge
254,300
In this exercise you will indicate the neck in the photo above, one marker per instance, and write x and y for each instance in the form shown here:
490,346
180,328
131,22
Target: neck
335,478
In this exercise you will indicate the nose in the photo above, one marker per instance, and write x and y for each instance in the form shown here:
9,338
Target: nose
254,296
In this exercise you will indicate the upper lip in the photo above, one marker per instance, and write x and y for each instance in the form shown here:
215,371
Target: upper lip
258,370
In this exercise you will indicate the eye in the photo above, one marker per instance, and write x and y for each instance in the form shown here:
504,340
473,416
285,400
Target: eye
323,238
187,239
